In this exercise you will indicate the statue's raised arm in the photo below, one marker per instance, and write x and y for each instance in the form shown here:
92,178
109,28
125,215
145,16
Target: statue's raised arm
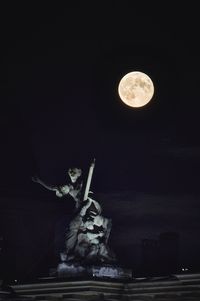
73,187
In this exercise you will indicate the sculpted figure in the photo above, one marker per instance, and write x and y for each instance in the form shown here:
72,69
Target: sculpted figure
88,232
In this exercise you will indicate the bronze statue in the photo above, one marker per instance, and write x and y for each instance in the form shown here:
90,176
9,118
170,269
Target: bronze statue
87,235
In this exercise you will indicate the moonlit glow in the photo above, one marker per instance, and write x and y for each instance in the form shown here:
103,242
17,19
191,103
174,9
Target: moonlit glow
136,89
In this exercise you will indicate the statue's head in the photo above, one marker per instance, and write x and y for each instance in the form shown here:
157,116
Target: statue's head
74,173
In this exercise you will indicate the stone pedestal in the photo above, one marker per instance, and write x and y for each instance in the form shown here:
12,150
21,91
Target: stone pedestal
95,271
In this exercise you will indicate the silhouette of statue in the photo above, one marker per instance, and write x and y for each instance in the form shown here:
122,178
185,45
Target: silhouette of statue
88,232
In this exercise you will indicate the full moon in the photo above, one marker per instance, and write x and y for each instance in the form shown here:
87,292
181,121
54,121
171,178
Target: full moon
136,89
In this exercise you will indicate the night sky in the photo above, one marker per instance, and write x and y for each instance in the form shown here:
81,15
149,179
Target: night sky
60,108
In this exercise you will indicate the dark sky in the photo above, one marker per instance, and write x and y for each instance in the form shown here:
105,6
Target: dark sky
59,107
60,104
